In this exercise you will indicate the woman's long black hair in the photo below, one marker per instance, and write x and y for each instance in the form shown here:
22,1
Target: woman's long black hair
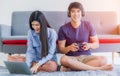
39,16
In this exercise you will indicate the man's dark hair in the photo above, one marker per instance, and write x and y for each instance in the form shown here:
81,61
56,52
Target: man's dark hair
76,5
39,16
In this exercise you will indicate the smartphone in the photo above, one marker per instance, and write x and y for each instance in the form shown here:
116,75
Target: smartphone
80,45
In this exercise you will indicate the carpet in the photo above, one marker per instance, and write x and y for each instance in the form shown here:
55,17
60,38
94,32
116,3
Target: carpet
114,72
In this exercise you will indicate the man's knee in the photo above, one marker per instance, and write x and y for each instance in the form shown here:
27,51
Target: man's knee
64,59
102,60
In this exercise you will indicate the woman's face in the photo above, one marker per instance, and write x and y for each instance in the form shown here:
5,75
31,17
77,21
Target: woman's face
36,26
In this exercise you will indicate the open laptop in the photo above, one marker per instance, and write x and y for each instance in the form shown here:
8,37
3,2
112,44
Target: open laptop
18,68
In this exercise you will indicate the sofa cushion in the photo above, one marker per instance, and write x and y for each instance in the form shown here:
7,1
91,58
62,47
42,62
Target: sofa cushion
23,39
9,42
103,39
104,22
20,20
106,39
14,38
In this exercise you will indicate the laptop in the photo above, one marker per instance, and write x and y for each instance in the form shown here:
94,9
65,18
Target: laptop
18,68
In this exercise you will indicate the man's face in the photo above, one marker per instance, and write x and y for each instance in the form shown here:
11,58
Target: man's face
76,14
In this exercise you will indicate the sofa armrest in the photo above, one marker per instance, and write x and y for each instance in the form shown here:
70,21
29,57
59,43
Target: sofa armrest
5,30
118,29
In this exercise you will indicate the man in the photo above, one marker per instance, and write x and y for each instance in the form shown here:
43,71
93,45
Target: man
75,39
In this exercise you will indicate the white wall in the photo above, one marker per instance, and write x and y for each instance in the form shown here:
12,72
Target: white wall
8,6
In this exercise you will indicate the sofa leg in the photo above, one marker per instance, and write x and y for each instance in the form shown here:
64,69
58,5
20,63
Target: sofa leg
9,54
112,57
119,54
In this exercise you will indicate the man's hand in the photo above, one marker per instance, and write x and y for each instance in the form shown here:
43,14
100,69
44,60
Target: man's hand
74,47
35,67
86,46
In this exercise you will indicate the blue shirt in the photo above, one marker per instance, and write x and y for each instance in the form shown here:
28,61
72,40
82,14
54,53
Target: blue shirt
34,47
76,35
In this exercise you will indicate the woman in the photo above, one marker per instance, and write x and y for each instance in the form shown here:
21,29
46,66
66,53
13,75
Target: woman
41,46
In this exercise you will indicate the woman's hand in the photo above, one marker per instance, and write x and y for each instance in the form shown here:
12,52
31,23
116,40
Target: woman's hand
35,67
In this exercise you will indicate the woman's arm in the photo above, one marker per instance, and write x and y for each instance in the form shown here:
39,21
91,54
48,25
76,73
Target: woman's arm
52,47
30,54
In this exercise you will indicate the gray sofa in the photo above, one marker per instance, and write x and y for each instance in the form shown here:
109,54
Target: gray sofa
10,36
13,38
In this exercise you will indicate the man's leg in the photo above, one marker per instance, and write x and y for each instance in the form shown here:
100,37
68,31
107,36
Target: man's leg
98,61
76,65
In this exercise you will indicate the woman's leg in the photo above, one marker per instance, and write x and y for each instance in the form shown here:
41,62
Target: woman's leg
63,68
76,65
49,66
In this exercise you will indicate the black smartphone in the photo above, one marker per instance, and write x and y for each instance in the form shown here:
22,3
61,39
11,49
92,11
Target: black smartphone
80,45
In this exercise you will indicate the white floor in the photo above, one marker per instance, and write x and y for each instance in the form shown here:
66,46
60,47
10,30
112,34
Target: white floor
108,55
3,57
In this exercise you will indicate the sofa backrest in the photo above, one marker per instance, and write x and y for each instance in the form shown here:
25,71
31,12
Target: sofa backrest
104,22
20,23
20,20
